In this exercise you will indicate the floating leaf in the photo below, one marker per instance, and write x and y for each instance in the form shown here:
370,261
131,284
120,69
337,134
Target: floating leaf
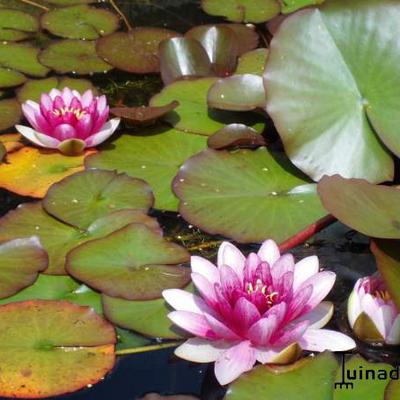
142,265
289,6
246,195
88,195
30,171
370,209
9,78
16,25
237,93
252,62
311,378
134,51
58,238
33,89
76,56
11,141
192,114
151,157
80,22
22,58
328,113
235,135
182,57
20,262
387,255
246,36
10,113
63,348
242,10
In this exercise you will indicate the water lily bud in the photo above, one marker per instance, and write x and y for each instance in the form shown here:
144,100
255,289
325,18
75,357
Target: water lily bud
371,312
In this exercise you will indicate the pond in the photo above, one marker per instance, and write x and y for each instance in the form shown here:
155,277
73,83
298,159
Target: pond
199,199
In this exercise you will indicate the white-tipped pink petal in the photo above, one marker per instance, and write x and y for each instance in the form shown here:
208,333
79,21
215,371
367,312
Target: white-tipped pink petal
353,307
204,267
106,131
269,252
394,333
205,288
202,350
193,323
322,284
324,339
319,316
181,300
230,255
37,138
233,362
101,104
67,96
54,93
304,269
87,98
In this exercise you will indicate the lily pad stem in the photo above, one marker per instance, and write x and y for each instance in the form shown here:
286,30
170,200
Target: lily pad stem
143,349
32,3
121,14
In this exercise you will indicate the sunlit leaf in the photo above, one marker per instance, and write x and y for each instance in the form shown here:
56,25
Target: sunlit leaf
16,25
252,62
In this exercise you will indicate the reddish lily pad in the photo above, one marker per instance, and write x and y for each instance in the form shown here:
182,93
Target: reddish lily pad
80,22
10,113
84,197
134,51
182,57
237,93
246,36
69,348
16,25
142,266
76,56
20,262
246,195
370,209
252,62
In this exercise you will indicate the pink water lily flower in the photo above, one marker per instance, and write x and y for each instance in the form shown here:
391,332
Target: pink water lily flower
68,121
254,309
372,313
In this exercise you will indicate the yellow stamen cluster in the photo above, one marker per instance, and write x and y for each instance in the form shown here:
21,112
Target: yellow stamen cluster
259,286
76,111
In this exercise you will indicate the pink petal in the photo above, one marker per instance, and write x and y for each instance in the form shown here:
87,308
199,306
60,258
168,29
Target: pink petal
290,335
193,323
230,255
182,300
101,104
67,96
324,339
202,350
59,102
304,269
87,98
220,329
30,114
281,266
37,138
279,311
204,267
251,264
205,288
269,252
46,103
372,309
319,316
394,333
100,119
388,316
107,130
64,131
54,93
262,330
229,279
299,303
77,95
245,314
84,127
233,362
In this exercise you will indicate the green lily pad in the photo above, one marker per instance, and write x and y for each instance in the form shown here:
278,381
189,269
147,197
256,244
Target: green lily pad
129,340
58,238
20,262
63,348
237,93
243,10
10,78
16,25
33,89
370,209
21,57
193,114
289,6
80,22
84,197
151,157
134,51
246,195
142,266
10,113
330,124
76,56
387,256
370,388
311,378
252,62
182,57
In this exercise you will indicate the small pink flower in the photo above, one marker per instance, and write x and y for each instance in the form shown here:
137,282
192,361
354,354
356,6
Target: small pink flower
68,120
371,301
254,309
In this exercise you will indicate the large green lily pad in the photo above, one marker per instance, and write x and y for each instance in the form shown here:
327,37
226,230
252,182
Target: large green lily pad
80,22
16,25
84,197
142,265
246,195
154,156
134,51
330,114
10,113
193,114
76,56
311,378
370,209
10,78
20,262
63,348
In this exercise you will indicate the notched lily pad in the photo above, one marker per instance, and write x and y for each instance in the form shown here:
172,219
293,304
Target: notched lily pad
142,265
134,51
10,113
69,348
16,25
80,22
76,56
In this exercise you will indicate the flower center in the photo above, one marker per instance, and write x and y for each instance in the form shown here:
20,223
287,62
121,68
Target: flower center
260,287
79,113
383,294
